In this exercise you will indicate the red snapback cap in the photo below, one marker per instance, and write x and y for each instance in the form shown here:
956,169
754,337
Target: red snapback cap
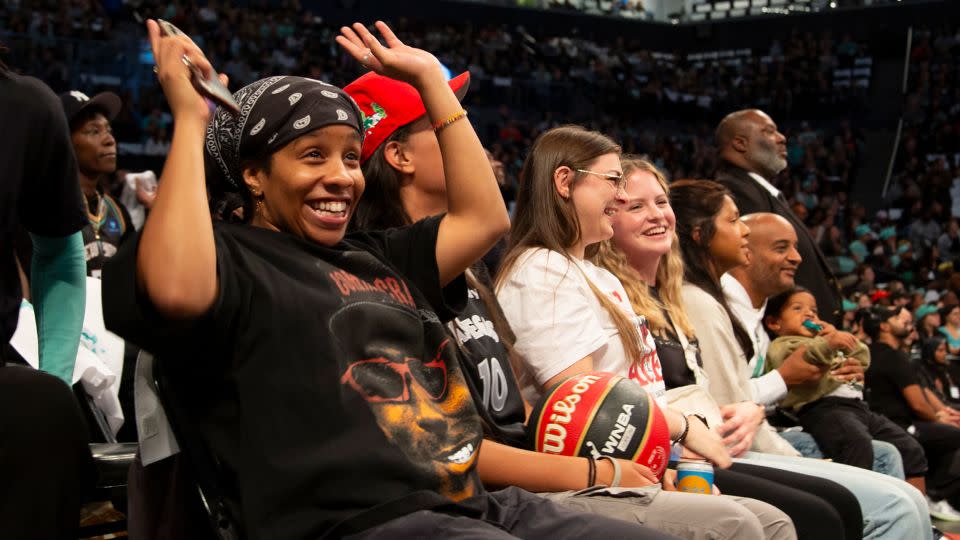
388,104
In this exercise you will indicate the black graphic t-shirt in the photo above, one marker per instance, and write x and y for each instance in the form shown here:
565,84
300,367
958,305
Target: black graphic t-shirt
322,378
486,364
108,226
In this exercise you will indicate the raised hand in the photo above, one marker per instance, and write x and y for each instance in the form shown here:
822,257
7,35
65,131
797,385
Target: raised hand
174,75
395,60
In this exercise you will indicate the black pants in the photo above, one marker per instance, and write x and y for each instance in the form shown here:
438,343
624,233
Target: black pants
512,513
844,427
820,509
941,442
45,464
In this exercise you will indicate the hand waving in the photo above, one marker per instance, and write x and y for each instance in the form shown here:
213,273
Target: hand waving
395,60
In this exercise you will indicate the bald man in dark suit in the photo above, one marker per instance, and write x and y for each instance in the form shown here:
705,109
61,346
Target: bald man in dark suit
752,152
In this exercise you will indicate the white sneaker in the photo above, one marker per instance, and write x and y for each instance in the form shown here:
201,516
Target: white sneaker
942,510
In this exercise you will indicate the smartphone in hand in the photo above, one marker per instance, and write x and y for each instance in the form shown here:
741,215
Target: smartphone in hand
210,87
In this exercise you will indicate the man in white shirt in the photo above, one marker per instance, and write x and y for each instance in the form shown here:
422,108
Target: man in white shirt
772,265
773,262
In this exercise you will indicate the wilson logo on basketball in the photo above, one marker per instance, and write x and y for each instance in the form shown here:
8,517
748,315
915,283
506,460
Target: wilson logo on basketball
595,414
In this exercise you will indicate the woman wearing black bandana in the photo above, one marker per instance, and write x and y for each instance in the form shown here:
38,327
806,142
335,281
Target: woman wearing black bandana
319,371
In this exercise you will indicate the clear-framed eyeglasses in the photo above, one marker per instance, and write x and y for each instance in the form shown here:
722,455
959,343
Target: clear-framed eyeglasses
616,179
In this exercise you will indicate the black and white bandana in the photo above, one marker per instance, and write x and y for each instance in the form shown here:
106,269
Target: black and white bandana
273,112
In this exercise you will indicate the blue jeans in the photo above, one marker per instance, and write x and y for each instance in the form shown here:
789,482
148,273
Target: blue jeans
886,457
892,509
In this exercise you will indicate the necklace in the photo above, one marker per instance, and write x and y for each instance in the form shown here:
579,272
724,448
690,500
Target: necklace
96,220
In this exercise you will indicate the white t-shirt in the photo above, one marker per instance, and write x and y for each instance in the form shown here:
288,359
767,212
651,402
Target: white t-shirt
558,320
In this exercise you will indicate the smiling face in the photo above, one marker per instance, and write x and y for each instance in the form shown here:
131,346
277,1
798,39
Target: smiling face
728,246
774,257
595,199
800,307
312,186
645,224
95,146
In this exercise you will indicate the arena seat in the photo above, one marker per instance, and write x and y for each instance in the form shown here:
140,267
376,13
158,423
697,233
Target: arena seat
202,465
112,460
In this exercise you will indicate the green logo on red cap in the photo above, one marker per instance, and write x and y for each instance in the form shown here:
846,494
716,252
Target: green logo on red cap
369,122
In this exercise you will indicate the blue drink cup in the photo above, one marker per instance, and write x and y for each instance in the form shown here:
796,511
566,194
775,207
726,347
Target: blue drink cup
695,477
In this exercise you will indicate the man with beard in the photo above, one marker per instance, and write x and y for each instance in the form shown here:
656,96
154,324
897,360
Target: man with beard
752,152
773,260
109,223
894,391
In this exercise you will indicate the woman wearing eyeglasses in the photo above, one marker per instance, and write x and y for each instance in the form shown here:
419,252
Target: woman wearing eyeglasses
569,315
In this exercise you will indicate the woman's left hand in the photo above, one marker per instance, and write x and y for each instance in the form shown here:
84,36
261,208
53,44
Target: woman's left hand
395,60
741,421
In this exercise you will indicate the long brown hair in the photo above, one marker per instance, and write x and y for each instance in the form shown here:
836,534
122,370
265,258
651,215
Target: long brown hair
669,271
696,204
544,219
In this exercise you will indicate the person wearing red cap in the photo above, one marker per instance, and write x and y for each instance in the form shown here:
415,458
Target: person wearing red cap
109,224
409,177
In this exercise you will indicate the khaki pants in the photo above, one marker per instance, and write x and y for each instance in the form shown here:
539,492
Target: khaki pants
685,515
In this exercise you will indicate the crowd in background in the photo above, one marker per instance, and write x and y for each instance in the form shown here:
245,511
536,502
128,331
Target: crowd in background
525,82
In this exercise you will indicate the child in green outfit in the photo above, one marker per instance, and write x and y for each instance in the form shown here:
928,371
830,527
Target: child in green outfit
791,319
830,410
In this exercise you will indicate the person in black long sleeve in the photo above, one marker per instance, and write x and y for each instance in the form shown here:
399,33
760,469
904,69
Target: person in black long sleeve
45,464
752,152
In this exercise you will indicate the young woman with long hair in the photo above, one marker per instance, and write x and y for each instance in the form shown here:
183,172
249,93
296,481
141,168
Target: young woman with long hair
571,316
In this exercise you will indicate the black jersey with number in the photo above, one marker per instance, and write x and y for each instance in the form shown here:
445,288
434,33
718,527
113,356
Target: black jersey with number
486,363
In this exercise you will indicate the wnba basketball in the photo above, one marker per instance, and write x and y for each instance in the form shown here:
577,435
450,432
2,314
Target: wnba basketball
601,414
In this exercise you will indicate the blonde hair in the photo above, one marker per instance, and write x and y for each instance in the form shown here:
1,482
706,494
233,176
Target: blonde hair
669,271
544,219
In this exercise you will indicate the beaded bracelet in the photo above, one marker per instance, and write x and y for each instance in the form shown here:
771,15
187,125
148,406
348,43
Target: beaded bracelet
440,124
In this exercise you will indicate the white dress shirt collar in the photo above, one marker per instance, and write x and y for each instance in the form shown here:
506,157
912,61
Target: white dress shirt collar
763,182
